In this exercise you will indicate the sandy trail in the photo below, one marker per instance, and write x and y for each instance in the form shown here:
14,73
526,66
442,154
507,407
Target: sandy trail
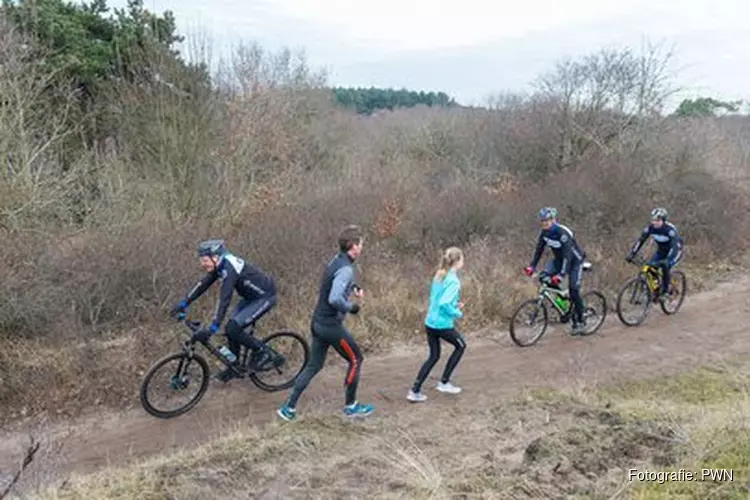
710,326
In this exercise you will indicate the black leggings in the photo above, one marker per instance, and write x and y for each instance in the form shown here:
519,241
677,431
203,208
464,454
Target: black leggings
433,340
246,314
323,337
575,276
666,269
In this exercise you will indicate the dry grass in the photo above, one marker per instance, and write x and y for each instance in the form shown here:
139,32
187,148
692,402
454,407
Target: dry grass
540,444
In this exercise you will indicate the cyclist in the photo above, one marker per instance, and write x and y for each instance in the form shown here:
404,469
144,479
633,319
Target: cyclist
258,296
668,242
568,260
327,327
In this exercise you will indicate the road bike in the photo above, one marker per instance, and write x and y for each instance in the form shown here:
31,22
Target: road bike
644,290
177,373
534,312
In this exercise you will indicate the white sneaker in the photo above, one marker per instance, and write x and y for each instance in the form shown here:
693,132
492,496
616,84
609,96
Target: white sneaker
448,387
416,397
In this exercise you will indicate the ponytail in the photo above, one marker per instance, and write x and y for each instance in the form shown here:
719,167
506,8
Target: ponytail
447,260
442,269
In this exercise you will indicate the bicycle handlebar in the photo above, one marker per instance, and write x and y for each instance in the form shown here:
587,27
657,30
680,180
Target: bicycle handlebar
637,261
542,276
193,325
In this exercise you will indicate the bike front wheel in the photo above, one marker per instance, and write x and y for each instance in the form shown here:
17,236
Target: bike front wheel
290,355
530,314
677,291
634,301
181,379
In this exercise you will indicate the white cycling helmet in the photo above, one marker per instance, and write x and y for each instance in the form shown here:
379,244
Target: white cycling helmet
659,213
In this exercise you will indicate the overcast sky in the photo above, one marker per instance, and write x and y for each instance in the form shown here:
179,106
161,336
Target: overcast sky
472,49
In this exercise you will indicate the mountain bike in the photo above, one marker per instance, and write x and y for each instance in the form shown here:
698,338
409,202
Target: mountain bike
177,373
644,290
534,312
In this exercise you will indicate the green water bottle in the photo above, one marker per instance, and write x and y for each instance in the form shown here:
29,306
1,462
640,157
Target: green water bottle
561,303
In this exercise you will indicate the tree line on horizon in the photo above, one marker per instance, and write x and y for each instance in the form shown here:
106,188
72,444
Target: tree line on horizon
367,100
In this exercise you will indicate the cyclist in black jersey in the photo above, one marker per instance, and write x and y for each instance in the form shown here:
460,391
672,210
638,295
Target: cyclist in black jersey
568,259
258,296
668,246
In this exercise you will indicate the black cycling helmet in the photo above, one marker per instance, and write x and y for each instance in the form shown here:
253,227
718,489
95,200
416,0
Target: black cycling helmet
659,213
209,248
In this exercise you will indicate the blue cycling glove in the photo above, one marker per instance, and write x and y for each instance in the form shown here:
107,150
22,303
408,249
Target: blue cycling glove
179,308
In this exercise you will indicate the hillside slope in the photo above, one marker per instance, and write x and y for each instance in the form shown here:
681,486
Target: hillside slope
709,328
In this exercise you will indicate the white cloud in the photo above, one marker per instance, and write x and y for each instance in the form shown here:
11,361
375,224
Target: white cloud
398,25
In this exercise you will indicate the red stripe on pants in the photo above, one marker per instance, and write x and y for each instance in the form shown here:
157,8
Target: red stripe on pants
352,361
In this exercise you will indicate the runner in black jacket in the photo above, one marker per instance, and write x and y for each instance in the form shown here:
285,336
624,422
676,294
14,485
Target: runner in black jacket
327,327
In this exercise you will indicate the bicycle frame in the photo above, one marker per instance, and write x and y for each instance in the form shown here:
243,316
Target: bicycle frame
651,274
188,347
547,292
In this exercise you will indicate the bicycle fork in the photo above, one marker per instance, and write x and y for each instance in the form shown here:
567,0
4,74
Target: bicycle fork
533,315
179,380
643,292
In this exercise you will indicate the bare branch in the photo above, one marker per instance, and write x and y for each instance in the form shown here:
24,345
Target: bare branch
606,100
27,459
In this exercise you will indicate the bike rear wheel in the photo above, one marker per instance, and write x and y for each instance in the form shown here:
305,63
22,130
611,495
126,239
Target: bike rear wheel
594,306
174,373
635,292
532,313
677,291
291,354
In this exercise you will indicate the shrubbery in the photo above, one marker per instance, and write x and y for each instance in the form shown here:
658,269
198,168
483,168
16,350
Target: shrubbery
99,229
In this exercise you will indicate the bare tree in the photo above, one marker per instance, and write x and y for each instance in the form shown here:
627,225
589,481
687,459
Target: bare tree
252,69
34,111
608,100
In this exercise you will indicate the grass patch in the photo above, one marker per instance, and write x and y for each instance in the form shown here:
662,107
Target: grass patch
723,473
693,394
708,385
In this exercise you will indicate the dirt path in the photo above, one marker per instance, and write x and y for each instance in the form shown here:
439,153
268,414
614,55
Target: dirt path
711,326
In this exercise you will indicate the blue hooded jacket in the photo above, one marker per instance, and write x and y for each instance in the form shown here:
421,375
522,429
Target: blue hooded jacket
443,309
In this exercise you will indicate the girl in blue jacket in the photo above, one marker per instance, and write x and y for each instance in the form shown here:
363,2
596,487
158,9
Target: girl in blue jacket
444,308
